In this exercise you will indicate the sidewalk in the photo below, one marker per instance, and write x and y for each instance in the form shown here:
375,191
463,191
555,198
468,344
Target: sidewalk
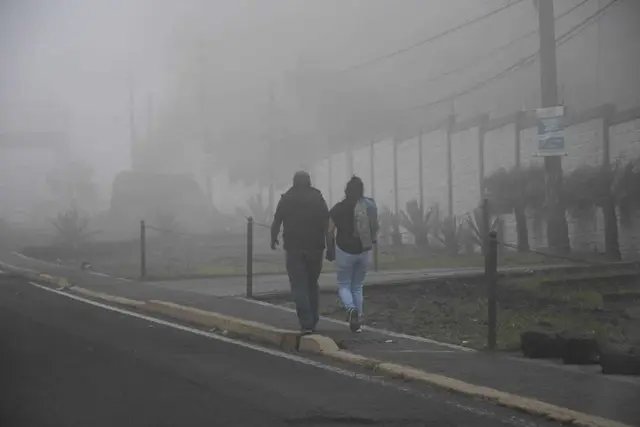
580,389
276,283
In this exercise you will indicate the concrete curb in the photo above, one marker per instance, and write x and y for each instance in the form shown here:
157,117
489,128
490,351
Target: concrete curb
109,298
254,331
322,345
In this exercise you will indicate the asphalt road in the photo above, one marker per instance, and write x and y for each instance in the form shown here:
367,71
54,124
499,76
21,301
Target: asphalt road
67,363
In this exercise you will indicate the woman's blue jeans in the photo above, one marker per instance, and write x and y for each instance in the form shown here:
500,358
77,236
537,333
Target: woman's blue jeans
352,270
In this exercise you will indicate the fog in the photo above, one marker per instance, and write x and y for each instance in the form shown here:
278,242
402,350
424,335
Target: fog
163,78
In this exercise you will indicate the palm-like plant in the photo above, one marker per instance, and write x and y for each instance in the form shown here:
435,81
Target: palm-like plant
584,189
450,234
417,223
515,190
477,230
625,188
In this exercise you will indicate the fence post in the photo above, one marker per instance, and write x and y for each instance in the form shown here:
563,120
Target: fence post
143,250
490,272
250,257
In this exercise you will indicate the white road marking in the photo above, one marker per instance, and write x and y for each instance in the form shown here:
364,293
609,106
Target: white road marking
512,420
380,331
13,267
23,256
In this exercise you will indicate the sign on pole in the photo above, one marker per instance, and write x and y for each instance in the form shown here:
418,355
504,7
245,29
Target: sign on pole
550,131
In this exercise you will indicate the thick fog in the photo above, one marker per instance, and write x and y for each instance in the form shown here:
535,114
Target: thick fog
148,84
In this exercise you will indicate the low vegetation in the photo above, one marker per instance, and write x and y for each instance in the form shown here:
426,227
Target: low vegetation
455,311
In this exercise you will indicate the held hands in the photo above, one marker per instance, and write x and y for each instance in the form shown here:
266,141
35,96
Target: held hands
274,244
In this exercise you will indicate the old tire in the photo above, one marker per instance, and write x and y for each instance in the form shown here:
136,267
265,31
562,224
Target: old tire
540,345
620,359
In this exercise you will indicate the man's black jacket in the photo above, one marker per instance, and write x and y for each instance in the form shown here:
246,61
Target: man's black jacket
304,215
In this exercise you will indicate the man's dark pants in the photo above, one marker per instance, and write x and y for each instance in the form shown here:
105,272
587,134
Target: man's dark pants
304,269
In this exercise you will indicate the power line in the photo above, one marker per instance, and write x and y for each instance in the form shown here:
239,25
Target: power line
479,59
573,32
431,38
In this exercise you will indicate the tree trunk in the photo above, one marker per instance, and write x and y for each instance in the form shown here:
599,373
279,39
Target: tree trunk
521,229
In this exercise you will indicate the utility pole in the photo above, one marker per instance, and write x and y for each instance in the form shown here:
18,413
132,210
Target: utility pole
557,228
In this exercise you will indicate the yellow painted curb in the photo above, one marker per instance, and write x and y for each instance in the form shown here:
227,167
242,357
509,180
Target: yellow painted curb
317,344
355,359
285,339
110,298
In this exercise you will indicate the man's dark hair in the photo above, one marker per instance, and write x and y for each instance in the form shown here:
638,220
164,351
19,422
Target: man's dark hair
354,189
301,179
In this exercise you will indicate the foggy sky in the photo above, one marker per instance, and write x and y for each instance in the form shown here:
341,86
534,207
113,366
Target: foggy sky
74,57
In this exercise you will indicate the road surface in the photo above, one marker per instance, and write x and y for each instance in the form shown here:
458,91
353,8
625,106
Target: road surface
65,362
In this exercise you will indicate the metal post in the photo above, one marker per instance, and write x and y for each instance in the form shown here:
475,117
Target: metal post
143,250
250,257
330,174
490,272
612,244
450,124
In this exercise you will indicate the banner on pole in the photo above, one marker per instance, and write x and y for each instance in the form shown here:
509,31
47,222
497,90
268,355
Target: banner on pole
550,131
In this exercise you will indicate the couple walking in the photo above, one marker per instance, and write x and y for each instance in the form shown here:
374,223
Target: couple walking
348,232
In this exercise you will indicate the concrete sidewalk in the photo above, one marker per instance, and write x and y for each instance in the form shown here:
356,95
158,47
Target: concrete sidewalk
580,389
276,283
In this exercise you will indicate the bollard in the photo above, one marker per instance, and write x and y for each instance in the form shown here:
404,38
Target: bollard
375,256
250,257
143,250
491,272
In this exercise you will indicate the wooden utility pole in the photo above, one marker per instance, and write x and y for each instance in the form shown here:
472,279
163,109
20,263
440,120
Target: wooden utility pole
557,228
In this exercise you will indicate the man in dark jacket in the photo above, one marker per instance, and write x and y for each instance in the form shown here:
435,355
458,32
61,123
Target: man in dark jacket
303,213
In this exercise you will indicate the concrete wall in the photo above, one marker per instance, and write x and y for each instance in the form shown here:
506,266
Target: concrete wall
500,153
434,163
465,159
383,165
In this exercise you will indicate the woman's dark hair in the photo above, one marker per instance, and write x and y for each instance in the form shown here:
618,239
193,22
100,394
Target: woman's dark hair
354,189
